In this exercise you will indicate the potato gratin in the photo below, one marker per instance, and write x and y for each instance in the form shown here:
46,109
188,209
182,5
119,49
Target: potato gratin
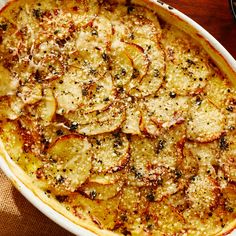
121,118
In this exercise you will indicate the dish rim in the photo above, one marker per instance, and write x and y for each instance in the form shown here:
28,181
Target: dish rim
48,211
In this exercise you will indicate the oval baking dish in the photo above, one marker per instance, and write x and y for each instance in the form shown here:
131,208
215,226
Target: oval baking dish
52,207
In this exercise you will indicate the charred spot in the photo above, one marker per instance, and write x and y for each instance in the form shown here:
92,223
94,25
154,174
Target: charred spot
3,26
160,146
93,194
106,99
120,88
137,174
118,142
223,143
229,209
150,197
61,198
74,126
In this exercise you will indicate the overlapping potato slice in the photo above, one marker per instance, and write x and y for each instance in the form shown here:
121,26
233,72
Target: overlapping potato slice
187,67
206,154
69,163
131,209
112,120
202,194
227,144
162,215
132,118
205,121
110,152
164,111
8,84
106,178
83,12
76,90
102,213
153,158
10,107
31,93
46,109
101,191
122,67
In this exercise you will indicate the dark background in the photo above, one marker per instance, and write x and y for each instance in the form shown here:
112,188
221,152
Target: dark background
214,15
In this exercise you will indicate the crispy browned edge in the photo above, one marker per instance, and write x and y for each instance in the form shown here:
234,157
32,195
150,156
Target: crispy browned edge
172,18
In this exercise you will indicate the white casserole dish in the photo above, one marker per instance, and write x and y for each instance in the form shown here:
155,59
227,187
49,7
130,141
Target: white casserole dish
218,53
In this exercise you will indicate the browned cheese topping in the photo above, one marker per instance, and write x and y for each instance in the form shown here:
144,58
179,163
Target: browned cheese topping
125,121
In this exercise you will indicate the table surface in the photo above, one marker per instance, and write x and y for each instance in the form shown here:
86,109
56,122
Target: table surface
17,215
213,15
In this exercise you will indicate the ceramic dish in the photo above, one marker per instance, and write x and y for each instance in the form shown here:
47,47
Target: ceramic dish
216,51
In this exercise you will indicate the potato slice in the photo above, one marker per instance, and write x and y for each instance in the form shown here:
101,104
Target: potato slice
152,81
133,119
67,170
187,67
101,191
30,93
75,90
113,119
10,107
205,122
12,140
166,110
8,84
102,213
122,67
46,109
110,152
202,194
106,178
217,90
227,146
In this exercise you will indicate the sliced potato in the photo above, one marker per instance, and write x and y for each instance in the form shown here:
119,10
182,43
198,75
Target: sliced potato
106,178
216,90
187,67
122,67
13,141
8,84
112,120
31,93
110,152
166,111
69,163
132,120
205,122
101,191
227,161
202,194
46,109
102,213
